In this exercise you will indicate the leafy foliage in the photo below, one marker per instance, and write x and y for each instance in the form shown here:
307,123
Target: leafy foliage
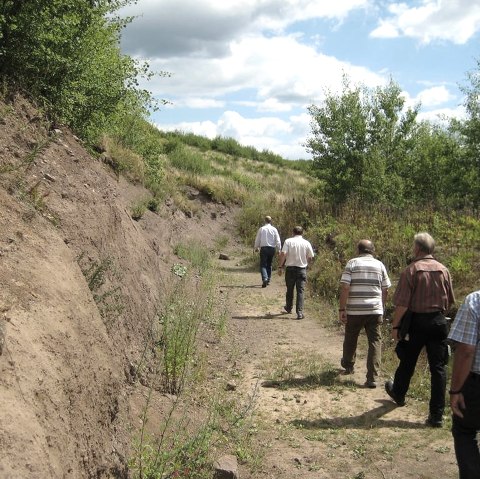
66,54
360,138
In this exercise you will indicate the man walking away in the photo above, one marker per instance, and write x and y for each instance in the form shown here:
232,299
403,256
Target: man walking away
364,289
425,289
296,254
267,241
465,386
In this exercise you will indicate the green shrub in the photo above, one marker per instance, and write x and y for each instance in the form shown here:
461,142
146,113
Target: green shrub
188,160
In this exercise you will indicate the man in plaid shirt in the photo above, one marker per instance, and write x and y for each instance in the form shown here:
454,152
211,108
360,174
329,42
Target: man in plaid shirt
465,386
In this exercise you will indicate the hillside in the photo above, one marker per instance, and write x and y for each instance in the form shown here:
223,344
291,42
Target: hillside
67,371
85,286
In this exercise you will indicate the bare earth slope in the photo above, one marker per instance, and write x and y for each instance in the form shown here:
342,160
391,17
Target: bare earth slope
65,369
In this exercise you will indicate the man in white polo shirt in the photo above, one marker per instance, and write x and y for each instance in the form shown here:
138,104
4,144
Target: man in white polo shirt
296,253
267,241
364,287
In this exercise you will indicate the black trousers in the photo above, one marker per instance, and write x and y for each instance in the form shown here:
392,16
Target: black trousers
295,278
464,430
427,330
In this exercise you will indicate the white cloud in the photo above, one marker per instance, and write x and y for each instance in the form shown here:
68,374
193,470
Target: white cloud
284,137
434,96
442,115
204,28
201,128
281,71
201,103
456,21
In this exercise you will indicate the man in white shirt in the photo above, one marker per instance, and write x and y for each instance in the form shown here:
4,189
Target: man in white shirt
267,242
296,254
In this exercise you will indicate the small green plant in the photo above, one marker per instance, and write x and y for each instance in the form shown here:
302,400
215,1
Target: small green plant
221,242
109,301
153,204
199,257
179,270
138,210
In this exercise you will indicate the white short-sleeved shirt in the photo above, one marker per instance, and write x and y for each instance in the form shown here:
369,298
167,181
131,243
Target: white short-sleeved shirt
298,251
367,277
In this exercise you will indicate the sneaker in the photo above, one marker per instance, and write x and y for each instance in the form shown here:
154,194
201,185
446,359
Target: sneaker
264,284
286,310
349,371
300,316
389,389
434,422
370,384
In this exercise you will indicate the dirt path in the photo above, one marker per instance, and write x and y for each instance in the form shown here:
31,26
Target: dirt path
311,421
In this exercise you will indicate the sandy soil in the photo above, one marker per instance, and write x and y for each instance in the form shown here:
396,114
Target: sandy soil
337,428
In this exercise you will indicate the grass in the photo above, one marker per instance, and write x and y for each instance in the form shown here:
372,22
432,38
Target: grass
185,443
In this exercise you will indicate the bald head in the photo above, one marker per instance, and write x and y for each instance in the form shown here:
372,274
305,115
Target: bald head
365,247
268,219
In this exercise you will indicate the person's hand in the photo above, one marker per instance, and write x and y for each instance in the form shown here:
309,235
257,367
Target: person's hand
395,336
457,404
342,316
280,271
257,250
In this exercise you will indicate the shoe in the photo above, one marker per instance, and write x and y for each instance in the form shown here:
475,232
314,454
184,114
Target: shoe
370,384
389,389
434,422
264,284
286,310
300,316
348,369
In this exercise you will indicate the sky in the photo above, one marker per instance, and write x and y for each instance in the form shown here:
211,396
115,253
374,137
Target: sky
249,69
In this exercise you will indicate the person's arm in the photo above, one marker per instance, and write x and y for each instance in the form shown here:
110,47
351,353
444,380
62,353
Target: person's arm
384,297
257,240
462,365
342,302
281,261
397,316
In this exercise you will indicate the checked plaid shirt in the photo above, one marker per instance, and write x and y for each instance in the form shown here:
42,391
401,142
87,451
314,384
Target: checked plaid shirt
466,327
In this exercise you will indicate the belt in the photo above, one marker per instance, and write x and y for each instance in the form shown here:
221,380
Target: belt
297,267
427,315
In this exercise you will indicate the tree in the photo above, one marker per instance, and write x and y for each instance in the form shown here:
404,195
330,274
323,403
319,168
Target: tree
360,138
66,54
467,172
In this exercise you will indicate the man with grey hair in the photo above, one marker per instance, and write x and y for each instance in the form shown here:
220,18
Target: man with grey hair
364,288
425,291
267,241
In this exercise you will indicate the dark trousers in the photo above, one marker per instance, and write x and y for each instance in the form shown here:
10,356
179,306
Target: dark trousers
371,323
295,278
464,430
427,330
266,257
